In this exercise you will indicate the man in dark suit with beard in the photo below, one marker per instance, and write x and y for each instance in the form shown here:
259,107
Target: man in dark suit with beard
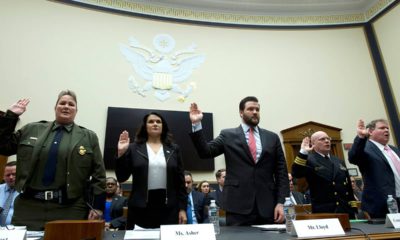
256,181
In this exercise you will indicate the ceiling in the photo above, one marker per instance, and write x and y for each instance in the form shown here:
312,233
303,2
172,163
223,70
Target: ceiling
270,7
254,12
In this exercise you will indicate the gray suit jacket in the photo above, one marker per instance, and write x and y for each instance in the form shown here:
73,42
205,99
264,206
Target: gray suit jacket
246,184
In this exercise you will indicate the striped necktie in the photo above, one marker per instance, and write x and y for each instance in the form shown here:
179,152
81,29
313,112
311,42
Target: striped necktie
6,207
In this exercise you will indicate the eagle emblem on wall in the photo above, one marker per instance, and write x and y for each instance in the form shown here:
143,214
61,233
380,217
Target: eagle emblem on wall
162,70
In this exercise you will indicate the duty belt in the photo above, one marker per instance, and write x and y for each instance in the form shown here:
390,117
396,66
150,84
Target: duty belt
50,195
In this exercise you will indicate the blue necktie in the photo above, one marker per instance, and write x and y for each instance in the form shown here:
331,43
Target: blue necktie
51,164
6,207
189,212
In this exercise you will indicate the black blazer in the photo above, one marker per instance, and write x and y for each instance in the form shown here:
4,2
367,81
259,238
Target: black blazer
246,183
217,196
116,212
135,162
377,175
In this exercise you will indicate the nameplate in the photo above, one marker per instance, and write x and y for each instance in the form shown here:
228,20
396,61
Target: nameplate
12,234
317,228
392,220
187,232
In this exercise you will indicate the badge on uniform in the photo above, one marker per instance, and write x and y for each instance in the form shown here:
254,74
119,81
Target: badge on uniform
82,150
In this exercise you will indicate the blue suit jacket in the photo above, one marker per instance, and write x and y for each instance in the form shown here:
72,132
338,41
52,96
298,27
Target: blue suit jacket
199,206
377,175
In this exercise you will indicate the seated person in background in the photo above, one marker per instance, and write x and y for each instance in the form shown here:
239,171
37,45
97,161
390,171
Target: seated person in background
197,208
356,191
204,187
296,197
8,193
357,196
327,176
113,211
217,194
307,197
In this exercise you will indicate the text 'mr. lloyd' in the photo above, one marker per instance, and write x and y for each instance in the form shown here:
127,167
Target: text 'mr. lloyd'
315,227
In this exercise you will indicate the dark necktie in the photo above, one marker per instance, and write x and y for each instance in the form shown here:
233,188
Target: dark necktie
51,164
6,207
252,144
189,212
330,162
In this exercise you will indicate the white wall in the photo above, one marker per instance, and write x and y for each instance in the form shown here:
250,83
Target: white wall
298,75
388,35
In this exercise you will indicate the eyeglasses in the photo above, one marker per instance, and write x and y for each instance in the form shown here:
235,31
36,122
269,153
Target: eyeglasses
323,139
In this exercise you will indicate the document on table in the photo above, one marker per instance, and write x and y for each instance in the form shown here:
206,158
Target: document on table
33,235
271,227
142,233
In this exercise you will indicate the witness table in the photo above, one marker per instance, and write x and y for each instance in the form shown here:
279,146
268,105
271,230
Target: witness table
358,231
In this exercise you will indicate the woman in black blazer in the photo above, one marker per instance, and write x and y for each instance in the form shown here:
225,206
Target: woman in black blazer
158,195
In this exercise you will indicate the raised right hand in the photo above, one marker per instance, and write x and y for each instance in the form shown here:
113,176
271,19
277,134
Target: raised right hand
362,131
123,143
195,113
305,145
20,106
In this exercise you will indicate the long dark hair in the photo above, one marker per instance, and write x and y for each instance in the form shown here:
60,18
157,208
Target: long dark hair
142,135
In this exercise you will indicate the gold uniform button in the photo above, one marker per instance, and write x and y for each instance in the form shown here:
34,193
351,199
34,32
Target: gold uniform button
337,203
333,183
335,193
345,183
347,193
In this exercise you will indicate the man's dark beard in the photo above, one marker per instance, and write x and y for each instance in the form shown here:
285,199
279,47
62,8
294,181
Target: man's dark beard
248,121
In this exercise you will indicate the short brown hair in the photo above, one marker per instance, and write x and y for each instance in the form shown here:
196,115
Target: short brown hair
69,93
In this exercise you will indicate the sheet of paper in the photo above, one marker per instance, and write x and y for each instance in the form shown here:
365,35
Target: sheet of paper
142,233
271,227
